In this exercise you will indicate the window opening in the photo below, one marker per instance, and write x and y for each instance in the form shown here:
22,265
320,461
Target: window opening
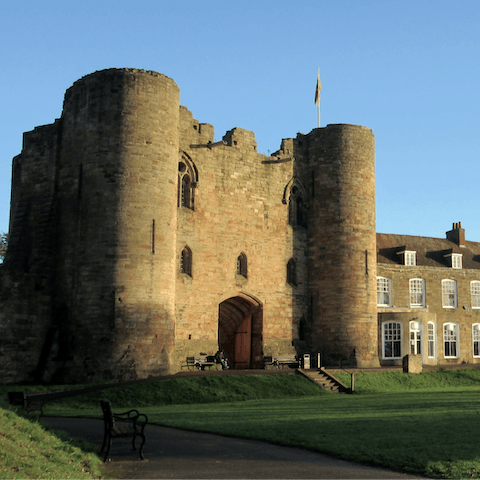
449,293
186,261
475,291
450,339
415,338
431,340
392,340
242,265
476,339
384,292
292,272
417,293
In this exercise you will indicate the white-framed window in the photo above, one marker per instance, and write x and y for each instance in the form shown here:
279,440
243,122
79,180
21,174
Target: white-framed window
475,291
456,260
384,292
410,258
417,293
450,340
392,340
432,335
449,293
476,339
415,338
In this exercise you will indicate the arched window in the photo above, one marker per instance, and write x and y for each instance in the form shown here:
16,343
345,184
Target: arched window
242,265
186,261
292,272
415,338
187,181
296,208
186,193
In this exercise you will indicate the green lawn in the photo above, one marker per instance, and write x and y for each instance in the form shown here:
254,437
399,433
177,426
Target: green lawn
426,424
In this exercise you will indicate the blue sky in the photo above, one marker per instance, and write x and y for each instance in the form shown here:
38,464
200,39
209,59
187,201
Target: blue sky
407,69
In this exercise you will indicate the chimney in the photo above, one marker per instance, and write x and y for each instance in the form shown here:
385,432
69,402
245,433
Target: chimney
457,234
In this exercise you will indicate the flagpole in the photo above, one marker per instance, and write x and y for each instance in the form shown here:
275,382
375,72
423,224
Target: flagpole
317,95
318,76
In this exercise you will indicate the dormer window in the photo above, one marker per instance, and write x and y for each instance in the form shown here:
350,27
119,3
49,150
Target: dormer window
455,260
409,257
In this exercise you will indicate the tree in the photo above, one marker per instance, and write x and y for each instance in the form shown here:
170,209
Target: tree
3,245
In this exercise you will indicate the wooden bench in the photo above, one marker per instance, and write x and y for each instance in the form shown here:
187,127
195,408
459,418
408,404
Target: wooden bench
268,362
286,361
28,403
189,363
204,361
281,361
121,425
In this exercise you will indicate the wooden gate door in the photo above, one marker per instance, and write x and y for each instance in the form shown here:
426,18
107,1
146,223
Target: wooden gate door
243,344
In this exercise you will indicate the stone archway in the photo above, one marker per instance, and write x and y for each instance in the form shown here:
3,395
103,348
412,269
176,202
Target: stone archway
240,327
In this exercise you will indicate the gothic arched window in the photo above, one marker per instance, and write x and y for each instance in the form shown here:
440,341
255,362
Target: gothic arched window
186,261
187,181
296,208
242,265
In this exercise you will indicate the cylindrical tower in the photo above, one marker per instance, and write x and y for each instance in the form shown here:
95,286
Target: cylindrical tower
116,209
342,244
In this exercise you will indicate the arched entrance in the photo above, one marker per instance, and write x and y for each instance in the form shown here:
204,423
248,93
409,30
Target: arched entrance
240,324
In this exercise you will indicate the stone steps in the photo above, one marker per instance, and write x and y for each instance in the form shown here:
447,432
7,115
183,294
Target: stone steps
325,380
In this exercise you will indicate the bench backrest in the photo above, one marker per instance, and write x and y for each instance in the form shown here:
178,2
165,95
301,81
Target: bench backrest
107,413
286,358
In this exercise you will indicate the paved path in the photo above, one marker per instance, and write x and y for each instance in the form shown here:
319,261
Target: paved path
173,453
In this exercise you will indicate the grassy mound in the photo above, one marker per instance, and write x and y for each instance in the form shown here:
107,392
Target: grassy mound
27,450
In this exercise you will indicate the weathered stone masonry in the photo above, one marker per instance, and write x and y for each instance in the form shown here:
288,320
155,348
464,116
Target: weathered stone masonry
136,240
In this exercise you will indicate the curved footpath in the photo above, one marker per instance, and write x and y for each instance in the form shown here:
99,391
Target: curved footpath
173,453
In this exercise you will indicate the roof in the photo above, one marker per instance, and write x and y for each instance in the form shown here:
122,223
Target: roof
430,251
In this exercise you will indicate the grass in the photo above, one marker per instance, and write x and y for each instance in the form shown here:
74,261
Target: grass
424,424
27,450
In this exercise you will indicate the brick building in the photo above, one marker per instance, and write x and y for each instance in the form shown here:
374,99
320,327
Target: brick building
136,241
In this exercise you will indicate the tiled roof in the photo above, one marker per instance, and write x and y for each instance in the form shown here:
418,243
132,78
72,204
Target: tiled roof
430,251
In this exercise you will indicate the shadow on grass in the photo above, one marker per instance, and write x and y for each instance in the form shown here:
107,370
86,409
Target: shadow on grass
427,433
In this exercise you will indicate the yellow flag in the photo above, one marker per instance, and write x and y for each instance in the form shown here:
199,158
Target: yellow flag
317,90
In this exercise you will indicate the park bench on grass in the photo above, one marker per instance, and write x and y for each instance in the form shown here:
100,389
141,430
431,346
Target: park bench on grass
28,403
122,425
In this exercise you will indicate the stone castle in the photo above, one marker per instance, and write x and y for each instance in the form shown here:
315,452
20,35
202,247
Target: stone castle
136,240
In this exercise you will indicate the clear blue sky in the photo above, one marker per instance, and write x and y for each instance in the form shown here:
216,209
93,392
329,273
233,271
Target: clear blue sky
407,69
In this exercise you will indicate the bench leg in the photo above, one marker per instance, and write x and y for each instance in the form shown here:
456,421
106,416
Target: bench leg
141,445
108,445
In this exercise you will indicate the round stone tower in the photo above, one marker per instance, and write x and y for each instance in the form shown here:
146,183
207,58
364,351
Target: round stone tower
116,212
342,245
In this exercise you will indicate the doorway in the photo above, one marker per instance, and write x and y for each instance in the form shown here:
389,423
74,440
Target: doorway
240,323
